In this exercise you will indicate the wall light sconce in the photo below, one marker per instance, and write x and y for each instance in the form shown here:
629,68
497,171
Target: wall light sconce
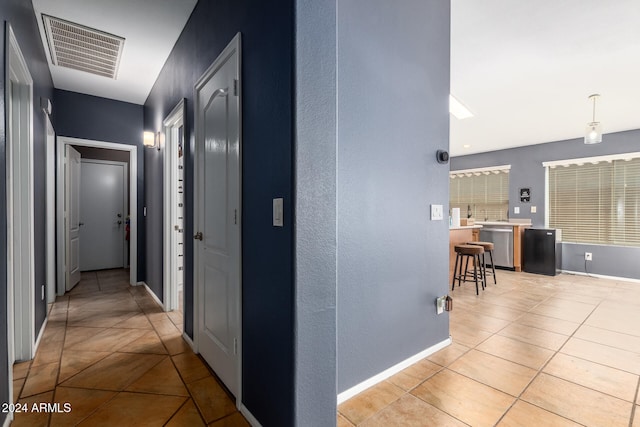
593,132
152,139
149,139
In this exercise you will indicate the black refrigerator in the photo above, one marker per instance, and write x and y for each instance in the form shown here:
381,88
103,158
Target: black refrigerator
542,251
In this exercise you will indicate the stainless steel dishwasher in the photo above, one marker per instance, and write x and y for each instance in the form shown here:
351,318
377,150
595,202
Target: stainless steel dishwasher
502,239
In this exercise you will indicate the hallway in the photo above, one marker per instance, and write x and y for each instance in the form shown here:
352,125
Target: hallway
112,353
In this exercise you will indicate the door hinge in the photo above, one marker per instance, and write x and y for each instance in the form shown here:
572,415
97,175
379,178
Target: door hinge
235,216
235,87
235,346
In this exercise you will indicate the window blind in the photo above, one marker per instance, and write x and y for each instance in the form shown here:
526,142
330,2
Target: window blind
486,193
596,202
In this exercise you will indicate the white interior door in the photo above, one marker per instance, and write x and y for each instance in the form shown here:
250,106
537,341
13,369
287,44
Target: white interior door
102,214
218,221
72,217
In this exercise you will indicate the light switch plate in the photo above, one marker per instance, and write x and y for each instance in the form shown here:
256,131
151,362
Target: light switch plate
437,213
534,209
440,303
278,214
516,210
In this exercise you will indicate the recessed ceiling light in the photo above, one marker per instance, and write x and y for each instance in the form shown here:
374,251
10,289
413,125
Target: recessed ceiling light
466,146
458,110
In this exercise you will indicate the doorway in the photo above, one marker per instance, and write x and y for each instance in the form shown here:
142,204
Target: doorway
173,282
61,264
103,211
218,221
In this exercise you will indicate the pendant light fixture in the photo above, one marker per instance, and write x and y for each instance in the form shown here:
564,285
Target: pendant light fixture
593,133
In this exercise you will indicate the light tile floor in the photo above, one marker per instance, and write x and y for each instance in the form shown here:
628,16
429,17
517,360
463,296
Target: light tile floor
532,350
111,352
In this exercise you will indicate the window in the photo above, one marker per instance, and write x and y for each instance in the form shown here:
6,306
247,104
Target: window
485,192
596,200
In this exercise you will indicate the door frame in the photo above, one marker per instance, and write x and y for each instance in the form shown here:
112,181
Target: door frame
171,125
62,142
50,147
125,197
20,296
236,45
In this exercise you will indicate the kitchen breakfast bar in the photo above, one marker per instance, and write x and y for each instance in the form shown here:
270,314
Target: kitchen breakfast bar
472,233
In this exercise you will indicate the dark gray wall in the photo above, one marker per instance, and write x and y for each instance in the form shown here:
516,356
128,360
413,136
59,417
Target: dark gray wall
393,88
19,14
315,195
83,116
267,165
527,172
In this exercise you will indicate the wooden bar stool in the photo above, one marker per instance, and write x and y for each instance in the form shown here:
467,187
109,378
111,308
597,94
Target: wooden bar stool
488,247
464,254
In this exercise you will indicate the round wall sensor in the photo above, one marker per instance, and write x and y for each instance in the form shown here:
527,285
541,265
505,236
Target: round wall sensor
442,156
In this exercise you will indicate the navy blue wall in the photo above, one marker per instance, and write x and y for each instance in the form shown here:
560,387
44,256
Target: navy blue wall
267,153
19,14
527,172
90,117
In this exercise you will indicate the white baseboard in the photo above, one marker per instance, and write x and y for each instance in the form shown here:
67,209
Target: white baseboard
601,276
37,343
359,388
249,416
153,295
189,341
8,419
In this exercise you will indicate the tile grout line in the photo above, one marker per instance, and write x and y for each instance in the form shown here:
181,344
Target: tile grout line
64,338
519,397
95,410
553,351
172,363
634,405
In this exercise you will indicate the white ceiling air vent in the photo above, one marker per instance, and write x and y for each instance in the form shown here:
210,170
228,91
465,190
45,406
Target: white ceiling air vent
82,48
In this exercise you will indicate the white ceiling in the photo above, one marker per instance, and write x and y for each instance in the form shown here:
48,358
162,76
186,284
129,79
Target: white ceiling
525,69
150,29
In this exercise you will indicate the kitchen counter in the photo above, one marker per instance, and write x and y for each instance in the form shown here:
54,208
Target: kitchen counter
528,224
465,227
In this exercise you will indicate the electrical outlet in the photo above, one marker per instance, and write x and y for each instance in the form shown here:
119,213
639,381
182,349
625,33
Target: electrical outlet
534,209
588,256
440,303
516,209
437,212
